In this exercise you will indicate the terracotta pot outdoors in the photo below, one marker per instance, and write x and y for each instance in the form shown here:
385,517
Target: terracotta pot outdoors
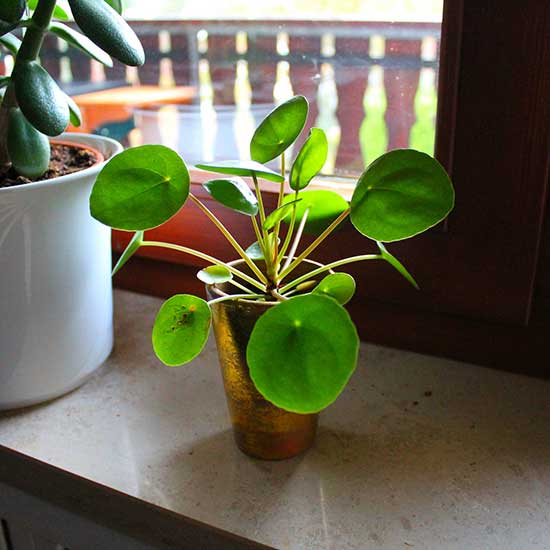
261,429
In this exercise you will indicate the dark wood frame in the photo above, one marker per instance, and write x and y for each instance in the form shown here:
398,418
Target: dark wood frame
484,282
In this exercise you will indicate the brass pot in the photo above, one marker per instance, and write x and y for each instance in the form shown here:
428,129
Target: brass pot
261,429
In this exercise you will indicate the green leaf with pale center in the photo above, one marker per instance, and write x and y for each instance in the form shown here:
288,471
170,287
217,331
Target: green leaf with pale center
104,26
310,159
340,286
81,42
401,194
29,150
129,251
233,193
323,208
279,214
279,129
40,98
181,329
244,168
394,262
140,188
302,353
214,274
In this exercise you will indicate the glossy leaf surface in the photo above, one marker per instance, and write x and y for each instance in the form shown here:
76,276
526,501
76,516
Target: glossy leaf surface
40,98
302,353
214,274
10,42
11,11
310,159
129,251
181,329
339,286
140,188
245,168
29,150
394,262
254,251
233,193
279,214
104,26
323,208
279,129
81,42
401,194
74,111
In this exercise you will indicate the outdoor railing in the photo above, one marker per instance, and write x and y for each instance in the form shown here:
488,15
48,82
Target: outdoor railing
371,85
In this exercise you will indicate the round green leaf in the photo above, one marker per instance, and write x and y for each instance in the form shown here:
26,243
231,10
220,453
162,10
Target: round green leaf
140,188
81,42
401,194
214,274
104,26
255,252
11,11
323,208
10,42
181,329
129,251
246,168
310,159
302,353
29,150
279,214
339,286
40,98
279,129
233,193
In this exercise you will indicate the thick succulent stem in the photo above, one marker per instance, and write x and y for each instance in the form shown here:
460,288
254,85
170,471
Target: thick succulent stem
8,102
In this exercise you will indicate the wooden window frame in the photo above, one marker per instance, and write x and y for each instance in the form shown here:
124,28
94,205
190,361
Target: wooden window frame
485,303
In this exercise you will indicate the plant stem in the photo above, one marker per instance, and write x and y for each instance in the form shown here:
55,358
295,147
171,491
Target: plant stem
234,297
296,240
230,238
241,287
37,28
278,296
207,258
315,243
327,267
290,231
259,237
278,224
260,200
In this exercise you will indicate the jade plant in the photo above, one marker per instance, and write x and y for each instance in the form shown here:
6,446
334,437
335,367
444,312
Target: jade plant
303,350
33,106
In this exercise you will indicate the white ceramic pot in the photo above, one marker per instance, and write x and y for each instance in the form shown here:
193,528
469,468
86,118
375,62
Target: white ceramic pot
56,308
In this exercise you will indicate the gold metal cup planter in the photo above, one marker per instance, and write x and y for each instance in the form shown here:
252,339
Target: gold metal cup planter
261,429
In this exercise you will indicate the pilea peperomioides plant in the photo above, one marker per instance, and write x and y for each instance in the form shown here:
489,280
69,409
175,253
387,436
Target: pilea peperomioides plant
303,350
33,106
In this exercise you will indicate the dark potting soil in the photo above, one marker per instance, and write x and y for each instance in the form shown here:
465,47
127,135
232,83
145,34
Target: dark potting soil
65,159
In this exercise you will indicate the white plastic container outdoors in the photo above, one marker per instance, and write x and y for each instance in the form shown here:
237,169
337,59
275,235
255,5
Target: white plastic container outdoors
56,309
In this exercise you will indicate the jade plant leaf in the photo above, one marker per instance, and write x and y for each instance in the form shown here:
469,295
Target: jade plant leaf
245,168
74,111
279,214
6,28
393,261
10,42
323,208
116,5
340,286
310,159
233,193
401,194
40,98
81,42
214,274
58,12
129,251
302,353
181,329
11,11
140,188
104,26
29,150
279,129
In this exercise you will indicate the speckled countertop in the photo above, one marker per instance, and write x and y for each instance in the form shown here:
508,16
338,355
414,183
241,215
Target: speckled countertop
418,452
